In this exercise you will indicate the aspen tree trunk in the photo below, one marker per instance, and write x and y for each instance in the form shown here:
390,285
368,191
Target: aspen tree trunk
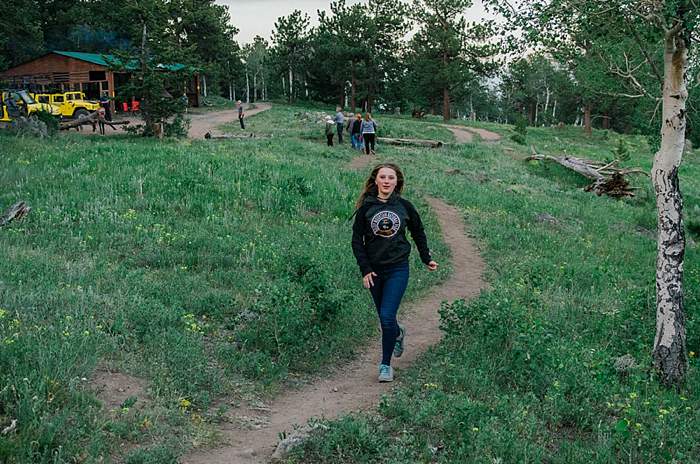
537,109
554,110
204,85
255,87
352,90
247,87
284,86
291,85
669,352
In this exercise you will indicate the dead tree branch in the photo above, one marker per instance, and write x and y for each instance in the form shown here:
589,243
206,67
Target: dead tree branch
607,177
16,211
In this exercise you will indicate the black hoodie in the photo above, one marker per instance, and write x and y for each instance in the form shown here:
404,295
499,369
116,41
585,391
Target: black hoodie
379,233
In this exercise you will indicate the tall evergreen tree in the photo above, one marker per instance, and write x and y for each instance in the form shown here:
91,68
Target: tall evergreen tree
290,39
447,47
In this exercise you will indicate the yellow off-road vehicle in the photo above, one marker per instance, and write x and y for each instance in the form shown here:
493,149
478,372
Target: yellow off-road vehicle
68,104
16,103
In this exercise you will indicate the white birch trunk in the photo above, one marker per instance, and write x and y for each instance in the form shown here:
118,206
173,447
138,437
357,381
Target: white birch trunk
204,85
537,109
554,110
284,86
247,87
669,353
546,101
291,84
255,87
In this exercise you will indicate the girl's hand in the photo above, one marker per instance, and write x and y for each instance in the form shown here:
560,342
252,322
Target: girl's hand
432,266
367,280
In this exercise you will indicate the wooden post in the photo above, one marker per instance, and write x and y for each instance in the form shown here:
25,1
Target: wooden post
112,92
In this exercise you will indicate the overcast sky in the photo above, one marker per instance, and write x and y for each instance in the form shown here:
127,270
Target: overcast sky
257,17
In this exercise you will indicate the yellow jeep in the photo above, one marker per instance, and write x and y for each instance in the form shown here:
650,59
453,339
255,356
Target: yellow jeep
16,103
68,104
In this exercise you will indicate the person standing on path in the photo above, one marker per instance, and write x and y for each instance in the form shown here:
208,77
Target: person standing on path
329,131
240,113
339,123
381,249
355,128
369,131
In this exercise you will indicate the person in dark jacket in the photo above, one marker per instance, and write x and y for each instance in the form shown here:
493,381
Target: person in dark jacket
241,114
355,129
380,246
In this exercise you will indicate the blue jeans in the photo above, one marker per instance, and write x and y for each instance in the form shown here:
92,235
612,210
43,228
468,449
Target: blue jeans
389,287
339,128
356,143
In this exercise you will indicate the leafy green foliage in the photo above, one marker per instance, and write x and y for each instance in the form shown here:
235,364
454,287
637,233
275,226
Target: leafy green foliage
527,370
50,120
520,136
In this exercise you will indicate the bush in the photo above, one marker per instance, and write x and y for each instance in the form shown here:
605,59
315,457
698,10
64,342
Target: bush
520,136
50,120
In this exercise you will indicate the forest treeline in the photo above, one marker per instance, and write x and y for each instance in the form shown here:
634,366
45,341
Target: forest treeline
381,55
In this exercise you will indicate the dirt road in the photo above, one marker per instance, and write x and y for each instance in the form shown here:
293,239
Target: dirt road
201,123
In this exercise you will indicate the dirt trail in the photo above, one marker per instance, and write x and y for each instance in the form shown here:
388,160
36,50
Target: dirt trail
465,134
354,386
202,123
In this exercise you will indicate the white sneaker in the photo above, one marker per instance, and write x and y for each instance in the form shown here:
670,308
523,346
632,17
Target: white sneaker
386,373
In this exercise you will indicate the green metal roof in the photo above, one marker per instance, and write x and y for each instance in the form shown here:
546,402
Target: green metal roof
108,60
94,58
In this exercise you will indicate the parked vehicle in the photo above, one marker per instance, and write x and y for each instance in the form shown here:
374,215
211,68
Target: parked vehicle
15,103
68,104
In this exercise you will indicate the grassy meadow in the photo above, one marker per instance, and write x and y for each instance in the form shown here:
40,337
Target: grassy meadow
223,269
209,269
526,372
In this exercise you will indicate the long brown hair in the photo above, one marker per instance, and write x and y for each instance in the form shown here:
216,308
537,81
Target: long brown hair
370,185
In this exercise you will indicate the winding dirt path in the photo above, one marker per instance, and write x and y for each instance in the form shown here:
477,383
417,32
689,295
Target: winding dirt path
465,134
201,123
354,386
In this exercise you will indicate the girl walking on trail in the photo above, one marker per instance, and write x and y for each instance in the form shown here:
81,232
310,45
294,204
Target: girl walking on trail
369,132
381,249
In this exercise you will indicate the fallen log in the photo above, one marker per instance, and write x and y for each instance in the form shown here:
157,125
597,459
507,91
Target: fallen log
411,142
92,119
81,121
210,136
16,211
608,178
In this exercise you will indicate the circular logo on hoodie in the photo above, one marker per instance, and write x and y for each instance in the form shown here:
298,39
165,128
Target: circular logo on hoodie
385,224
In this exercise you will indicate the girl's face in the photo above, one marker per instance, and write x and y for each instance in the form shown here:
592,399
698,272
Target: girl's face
386,182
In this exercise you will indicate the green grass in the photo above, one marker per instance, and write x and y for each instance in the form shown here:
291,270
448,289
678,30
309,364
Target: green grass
223,269
209,269
289,122
526,373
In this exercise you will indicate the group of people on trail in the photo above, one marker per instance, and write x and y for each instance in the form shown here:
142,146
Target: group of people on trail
362,131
